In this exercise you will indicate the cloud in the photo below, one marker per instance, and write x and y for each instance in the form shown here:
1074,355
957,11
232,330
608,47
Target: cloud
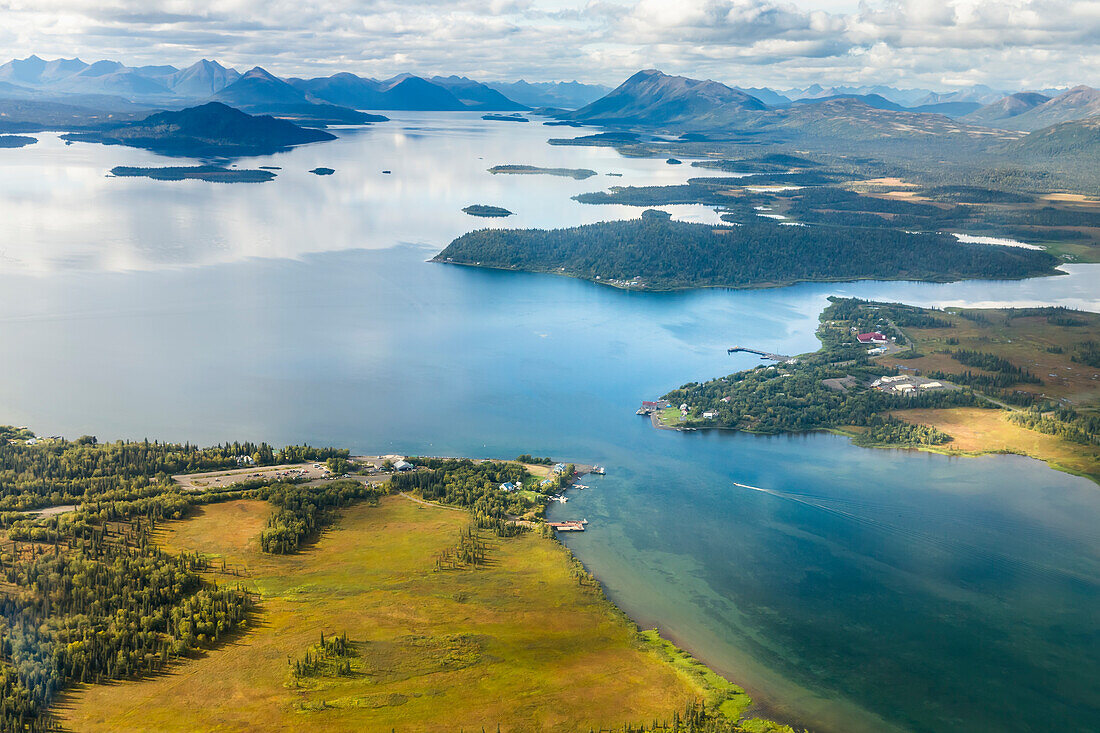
1005,43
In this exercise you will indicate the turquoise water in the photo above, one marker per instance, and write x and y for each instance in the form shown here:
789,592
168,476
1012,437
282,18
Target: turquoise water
858,590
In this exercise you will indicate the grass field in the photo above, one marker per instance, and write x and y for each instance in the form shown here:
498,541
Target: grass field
977,430
1024,341
1033,342
519,643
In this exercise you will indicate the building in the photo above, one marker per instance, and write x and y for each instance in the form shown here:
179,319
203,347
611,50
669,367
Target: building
508,487
653,406
559,468
710,415
403,466
874,337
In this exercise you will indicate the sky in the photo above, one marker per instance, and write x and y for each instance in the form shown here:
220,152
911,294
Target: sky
935,44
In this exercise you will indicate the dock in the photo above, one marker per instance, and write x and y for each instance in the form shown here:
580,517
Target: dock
570,526
758,352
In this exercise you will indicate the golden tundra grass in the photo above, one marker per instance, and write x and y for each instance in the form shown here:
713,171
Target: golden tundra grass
976,430
518,643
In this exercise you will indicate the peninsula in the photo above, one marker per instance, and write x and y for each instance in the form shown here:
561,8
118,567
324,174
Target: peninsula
655,253
264,583
958,381
16,141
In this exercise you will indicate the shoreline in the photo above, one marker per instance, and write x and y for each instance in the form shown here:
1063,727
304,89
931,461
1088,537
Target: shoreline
751,286
852,435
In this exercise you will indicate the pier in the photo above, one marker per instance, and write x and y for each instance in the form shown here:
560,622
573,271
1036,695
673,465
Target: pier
570,526
761,354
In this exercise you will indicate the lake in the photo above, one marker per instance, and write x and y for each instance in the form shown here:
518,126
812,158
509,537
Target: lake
861,590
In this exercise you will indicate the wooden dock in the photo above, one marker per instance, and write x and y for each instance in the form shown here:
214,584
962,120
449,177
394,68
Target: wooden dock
761,354
571,526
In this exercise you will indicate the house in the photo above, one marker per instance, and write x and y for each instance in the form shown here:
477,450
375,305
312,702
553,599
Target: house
559,468
507,487
243,460
403,466
874,337
658,405
710,415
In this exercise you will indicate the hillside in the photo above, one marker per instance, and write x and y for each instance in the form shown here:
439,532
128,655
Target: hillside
1011,106
561,94
1078,139
1078,103
202,79
653,253
476,95
852,119
399,93
259,92
210,130
653,98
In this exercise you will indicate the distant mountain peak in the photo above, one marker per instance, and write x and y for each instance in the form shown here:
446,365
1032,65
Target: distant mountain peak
651,96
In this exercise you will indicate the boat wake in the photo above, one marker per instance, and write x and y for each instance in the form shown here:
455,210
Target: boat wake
874,516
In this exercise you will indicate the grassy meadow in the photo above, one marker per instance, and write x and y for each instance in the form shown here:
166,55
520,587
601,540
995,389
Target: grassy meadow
1041,345
521,642
976,430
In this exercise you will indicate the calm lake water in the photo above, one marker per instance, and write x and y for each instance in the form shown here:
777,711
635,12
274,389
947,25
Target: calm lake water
861,590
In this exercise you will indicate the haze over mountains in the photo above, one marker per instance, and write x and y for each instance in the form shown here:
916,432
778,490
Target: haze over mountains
104,90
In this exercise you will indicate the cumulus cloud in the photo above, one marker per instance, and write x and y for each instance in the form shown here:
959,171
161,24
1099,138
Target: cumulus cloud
1006,43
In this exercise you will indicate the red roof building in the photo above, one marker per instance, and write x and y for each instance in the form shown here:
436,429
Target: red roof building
872,338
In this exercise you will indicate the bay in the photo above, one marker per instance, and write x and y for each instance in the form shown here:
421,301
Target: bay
862,590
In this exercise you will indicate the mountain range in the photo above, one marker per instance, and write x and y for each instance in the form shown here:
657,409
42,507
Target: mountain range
1034,111
98,94
651,98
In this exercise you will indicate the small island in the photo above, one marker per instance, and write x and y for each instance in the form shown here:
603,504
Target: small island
505,118
486,210
16,141
208,173
674,161
577,173
323,171
655,253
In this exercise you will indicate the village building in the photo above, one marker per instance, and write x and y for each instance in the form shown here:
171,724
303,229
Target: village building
872,337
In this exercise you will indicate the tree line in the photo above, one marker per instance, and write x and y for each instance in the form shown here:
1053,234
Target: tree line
675,254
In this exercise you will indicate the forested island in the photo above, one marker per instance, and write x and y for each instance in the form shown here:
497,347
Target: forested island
658,254
209,173
486,211
962,380
209,130
577,173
